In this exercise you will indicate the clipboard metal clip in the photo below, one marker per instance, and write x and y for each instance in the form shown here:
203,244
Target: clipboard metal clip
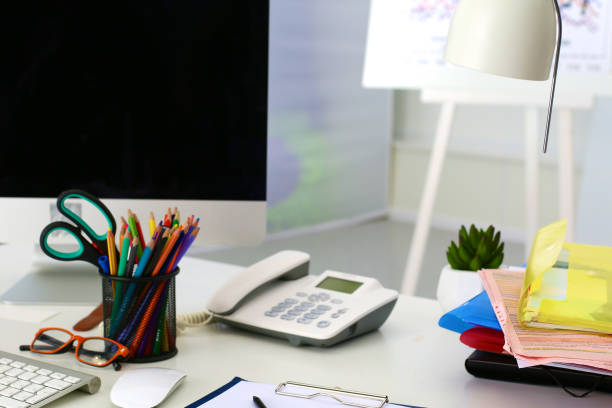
333,393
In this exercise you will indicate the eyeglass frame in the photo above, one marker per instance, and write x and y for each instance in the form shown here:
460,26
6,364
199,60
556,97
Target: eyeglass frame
122,351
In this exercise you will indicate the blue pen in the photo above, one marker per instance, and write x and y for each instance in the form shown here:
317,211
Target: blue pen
103,262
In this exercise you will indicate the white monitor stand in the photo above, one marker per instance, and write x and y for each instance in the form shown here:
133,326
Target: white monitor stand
55,282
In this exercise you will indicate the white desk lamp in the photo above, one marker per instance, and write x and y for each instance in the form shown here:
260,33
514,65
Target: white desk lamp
511,38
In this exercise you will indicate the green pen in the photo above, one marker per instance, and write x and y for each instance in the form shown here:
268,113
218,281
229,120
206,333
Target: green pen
125,248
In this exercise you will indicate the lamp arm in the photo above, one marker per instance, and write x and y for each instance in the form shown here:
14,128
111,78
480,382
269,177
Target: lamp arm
555,68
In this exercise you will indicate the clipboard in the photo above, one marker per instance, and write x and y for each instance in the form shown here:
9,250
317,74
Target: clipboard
307,393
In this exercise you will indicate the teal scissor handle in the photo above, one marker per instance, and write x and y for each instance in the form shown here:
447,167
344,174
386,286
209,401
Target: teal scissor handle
98,239
85,251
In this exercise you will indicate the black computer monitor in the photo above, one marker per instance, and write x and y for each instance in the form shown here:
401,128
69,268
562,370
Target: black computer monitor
147,104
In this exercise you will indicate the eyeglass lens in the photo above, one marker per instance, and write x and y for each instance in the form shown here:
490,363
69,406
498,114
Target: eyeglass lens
97,351
51,340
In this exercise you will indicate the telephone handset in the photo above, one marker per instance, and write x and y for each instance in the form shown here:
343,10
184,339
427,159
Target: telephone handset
277,297
286,265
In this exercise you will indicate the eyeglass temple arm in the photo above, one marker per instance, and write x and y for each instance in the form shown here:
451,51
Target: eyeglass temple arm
555,69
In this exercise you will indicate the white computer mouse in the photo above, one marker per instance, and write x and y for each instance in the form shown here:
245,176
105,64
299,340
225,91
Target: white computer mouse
145,387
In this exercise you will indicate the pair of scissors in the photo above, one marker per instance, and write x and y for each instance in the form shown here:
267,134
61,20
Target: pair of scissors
91,244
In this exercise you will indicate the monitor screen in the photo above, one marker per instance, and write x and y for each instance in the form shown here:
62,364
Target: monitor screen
139,99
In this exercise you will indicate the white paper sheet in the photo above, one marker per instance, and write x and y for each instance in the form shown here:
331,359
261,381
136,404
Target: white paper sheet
25,314
241,395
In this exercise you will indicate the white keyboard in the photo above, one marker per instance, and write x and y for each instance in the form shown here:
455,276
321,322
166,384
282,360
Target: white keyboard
27,383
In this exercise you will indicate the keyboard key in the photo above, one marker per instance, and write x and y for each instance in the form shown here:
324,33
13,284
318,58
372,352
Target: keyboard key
46,391
33,388
41,379
11,403
14,372
44,371
7,380
5,360
22,396
17,364
31,368
9,391
57,376
72,380
28,375
57,384
19,384
4,368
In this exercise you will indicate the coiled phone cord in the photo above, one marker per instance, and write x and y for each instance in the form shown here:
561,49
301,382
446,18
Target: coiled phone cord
197,319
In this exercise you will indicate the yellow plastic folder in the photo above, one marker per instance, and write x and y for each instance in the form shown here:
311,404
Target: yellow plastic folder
567,286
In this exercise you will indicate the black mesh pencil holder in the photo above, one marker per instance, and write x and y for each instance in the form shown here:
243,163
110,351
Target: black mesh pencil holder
140,313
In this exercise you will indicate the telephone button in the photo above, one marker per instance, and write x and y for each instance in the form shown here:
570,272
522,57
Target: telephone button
317,311
301,294
335,316
311,316
342,310
325,308
294,312
304,320
287,317
323,296
278,309
271,314
291,301
323,324
307,304
313,298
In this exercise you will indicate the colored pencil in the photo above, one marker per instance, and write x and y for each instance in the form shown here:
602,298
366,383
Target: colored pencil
112,252
151,224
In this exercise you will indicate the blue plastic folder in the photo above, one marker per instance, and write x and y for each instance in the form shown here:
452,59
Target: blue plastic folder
475,312
237,380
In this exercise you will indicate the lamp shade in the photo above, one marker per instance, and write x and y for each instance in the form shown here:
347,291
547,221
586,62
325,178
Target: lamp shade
512,38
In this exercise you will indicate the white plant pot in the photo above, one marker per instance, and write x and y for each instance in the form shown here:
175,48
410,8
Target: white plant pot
455,287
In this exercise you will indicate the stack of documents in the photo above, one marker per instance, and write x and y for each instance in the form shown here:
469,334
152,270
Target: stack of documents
577,350
557,312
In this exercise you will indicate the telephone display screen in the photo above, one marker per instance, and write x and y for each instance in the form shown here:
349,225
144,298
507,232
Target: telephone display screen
339,285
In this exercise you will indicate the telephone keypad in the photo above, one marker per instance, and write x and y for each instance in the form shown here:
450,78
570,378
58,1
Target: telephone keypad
307,310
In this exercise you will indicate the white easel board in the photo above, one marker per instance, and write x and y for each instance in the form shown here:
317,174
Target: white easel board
406,40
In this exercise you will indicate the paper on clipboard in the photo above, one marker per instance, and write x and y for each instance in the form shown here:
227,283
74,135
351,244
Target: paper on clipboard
241,395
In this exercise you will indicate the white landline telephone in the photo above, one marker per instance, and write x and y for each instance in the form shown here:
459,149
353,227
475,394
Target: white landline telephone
277,297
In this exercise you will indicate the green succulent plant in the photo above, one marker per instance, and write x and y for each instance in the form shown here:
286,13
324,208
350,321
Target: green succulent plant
477,249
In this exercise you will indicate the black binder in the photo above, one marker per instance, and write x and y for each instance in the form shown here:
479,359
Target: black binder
503,367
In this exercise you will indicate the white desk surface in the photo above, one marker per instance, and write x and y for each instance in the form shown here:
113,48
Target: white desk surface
410,358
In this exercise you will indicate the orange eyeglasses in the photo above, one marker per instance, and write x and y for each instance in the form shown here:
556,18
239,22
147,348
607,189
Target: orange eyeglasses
95,351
